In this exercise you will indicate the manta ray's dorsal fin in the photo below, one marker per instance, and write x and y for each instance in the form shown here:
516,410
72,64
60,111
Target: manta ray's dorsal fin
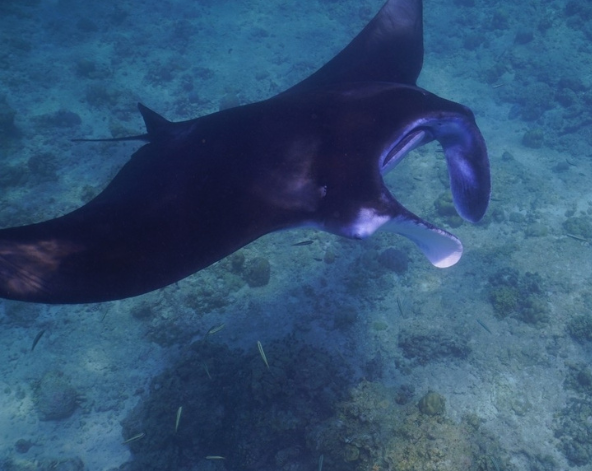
157,127
388,49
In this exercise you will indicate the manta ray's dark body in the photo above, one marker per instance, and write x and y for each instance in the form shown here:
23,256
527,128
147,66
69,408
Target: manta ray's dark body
311,156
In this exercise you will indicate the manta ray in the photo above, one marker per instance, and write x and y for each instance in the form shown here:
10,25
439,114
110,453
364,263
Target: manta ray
311,156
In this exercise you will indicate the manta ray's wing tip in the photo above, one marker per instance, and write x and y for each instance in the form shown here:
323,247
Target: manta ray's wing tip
388,49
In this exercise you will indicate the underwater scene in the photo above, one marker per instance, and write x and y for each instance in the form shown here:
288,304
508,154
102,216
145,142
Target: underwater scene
304,350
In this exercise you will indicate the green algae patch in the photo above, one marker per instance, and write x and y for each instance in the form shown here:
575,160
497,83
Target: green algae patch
580,328
372,432
521,296
432,404
379,326
579,226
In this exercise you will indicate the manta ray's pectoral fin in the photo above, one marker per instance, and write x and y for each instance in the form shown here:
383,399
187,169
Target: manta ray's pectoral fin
388,49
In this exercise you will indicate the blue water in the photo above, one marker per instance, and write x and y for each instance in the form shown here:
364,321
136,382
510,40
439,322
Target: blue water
375,359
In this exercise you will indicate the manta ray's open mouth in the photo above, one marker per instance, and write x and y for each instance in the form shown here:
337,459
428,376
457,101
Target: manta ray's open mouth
465,152
416,138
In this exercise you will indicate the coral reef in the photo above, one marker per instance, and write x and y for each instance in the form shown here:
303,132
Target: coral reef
370,432
236,407
533,138
55,398
211,290
520,296
572,425
237,261
47,464
432,345
445,209
573,429
432,404
580,328
579,379
22,445
580,226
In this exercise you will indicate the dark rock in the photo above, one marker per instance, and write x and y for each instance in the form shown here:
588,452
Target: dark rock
60,119
533,138
69,464
580,328
43,166
394,259
404,394
7,114
44,464
66,119
329,256
142,312
22,445
12,175
258,272
429,346
345,317
237,262
572,430
585,378
259,413
21,313
90,69
203,73
524,36
56,398
580,226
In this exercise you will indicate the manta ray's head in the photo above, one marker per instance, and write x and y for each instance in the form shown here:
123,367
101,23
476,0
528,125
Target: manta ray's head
377,125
